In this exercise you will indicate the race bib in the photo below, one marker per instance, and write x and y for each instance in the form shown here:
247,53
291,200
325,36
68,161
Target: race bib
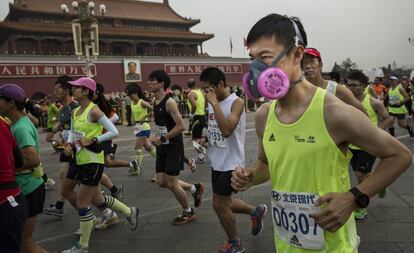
394,100
65,135
162,130
215,138
137,128
77,135
12,201
291,215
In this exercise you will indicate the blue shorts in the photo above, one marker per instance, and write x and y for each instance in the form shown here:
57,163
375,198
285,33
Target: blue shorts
144,133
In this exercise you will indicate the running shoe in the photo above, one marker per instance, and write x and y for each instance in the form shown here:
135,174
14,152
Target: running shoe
257,218
184,217
114,147
134,168
360,213
200,160
133,219
76,249
104,222
382,193
154,179
119,194
198,194
52,210
228,247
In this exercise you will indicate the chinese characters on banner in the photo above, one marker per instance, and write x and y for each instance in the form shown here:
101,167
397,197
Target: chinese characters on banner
43,70
188,69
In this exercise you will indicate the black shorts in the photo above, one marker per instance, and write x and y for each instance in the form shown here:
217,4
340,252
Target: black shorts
199,123
64,158
398,116
107,147
221,182
87,174
362,161
36,201
170,159
12,220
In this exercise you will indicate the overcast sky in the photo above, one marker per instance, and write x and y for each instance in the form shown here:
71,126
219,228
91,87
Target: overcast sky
372,33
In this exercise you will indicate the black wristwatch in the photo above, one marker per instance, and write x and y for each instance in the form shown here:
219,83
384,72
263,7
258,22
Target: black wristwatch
94,140
361,199
163,139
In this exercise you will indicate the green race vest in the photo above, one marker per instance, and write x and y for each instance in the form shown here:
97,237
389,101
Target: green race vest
396,97
83,128
200,103
304,162
371,114
140,114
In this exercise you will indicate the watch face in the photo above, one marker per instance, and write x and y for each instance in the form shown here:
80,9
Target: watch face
363,201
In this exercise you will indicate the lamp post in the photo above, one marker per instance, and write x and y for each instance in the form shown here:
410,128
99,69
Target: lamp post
85,30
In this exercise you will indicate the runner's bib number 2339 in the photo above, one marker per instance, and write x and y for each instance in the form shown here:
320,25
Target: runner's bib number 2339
291,215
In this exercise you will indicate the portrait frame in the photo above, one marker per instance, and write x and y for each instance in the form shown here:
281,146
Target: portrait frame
132,77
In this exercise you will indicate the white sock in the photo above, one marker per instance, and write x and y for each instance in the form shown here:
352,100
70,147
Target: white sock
188,210
193,189
107,212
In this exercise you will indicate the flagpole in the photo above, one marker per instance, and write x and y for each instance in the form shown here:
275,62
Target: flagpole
231,48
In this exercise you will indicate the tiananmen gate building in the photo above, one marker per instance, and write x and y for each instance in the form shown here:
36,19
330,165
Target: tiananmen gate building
36,45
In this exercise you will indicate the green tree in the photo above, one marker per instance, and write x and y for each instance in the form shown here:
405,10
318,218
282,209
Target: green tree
345,67
348,65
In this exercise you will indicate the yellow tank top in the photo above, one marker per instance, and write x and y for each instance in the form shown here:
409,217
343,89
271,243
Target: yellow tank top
371,114
83,128
366,91
140,114
304,163
200,103
396,97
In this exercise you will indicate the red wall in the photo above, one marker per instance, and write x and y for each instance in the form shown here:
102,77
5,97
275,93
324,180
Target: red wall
111,75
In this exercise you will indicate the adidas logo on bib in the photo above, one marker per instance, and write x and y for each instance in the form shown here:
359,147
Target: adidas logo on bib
294,240
272,138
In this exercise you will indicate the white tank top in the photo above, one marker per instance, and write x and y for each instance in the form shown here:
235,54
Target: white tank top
331,87
226,154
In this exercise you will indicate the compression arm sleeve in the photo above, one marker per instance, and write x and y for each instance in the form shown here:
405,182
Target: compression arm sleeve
111,133
114,118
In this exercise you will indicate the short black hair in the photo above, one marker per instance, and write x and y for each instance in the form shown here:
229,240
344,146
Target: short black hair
135,89
63,81
359,76
131,62
160,76
213,76
191,83
277,26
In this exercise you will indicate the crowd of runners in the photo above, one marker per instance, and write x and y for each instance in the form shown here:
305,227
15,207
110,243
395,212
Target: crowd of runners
309,132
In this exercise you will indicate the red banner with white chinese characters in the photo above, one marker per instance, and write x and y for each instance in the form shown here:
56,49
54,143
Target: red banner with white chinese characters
189,69
43,70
